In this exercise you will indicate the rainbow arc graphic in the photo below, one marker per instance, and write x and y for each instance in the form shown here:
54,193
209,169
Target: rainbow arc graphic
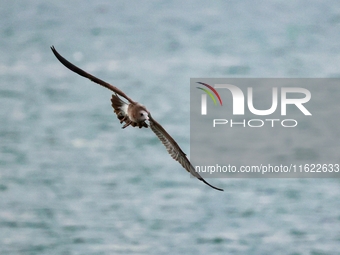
211,95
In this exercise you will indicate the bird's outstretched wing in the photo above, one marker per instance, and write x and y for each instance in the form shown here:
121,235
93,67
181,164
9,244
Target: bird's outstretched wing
174,150
170,144
89,76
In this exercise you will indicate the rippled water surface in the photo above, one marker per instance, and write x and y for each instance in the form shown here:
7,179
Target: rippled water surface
73,182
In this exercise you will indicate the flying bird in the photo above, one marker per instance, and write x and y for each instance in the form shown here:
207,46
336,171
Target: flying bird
136,115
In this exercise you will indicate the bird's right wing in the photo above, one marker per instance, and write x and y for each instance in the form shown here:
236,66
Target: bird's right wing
174,150
89,76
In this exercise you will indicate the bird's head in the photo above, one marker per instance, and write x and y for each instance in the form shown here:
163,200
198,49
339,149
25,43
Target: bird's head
143,115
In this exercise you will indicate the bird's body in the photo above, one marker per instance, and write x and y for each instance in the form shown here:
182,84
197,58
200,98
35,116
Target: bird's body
136,115
133,114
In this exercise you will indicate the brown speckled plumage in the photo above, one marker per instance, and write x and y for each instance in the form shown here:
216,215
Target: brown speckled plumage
136,115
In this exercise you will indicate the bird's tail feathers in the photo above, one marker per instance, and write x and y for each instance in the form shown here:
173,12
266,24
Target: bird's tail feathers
120,107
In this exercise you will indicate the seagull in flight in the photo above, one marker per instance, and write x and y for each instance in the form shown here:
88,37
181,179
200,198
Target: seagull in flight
134,114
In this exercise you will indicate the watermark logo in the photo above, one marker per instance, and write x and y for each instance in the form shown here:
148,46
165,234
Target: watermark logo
204,97
239,98
280,99
265,127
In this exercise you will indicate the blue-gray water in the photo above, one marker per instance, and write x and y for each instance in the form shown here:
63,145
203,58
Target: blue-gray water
71,180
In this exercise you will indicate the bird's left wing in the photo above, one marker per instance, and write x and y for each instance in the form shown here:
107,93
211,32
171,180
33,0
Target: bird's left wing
174,150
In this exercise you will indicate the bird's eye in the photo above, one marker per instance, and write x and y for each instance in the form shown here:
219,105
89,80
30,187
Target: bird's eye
141,114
